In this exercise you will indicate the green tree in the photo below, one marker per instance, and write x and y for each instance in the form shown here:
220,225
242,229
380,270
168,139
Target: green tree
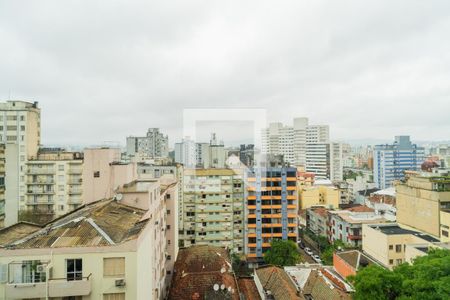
427,278
282,253
327,253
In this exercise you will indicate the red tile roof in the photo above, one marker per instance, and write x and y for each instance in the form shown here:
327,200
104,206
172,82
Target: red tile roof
198,269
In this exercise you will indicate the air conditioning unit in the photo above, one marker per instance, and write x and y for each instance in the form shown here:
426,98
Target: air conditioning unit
120,282
40,269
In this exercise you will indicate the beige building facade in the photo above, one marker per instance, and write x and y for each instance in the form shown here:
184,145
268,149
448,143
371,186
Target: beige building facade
420,200
110,249
212,208
20,131
319,195
386,243
54,182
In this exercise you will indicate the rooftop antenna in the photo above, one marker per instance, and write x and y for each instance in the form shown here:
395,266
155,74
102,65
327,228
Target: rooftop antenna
216,287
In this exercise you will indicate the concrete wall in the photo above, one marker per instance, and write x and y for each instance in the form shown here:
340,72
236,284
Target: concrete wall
319,195
419,208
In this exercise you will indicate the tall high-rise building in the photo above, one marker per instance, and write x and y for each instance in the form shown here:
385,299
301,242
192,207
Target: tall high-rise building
201,155
392,160
54,183
271,209
212,208
185,153
304,145
20,131
154,145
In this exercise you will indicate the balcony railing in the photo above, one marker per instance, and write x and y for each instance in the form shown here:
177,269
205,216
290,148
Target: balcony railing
56,288
41,171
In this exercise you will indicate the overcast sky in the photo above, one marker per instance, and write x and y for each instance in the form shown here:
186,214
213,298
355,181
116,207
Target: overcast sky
102,70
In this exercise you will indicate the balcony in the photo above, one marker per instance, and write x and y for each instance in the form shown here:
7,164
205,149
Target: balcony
353,237
41,171
56,288
74,171
40,192
75,191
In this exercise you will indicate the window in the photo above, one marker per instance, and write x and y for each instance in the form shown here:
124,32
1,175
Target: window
12,128
399,261
11,118
398,248
169,257
74,269
116,296
391,261
22,128
61,167
169,272
97,174
22,118
168,227
391,247
61,207
445,233
11,138
114,266
168,211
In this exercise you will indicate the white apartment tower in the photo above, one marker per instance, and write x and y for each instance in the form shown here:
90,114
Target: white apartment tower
20,131
305,145
153,145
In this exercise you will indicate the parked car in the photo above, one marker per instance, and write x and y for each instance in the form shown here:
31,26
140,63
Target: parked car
308,251
301,245
317,259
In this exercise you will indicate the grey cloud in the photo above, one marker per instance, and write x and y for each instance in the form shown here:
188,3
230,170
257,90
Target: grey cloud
105,70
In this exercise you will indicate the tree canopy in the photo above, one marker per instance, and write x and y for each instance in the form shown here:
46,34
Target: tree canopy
282,253
427,278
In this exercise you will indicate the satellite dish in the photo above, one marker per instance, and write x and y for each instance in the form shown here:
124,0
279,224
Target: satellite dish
223,270
229,289
216,287
119,197
222,286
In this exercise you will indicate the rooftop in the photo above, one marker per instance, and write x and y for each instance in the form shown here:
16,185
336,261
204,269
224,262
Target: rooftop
210,172
321,211
355,258
395,229
320,286
277,281
198,270
102,223
16,232
248,288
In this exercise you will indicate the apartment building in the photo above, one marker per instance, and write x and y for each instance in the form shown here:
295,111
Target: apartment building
346,225
322,193
104,172
271,206
97,252
154,145
20,130
420,199
445,225
156,171
159,197
2,185
53,183
317,220
392,160
212,208
386,243
203,155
